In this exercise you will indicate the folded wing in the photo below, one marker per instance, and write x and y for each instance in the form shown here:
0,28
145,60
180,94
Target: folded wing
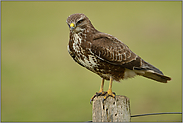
113,51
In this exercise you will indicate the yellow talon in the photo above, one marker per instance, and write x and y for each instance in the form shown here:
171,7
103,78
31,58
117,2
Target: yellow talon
109,93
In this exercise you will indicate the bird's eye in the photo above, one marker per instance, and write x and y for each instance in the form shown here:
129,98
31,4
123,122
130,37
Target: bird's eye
80,21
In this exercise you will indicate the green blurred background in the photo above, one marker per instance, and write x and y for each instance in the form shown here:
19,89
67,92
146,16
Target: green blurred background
41,82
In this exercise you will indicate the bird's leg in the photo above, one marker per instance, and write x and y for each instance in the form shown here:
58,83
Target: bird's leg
100,93
103,93
109,91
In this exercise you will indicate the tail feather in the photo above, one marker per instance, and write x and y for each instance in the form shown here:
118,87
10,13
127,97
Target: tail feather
156,76
151,72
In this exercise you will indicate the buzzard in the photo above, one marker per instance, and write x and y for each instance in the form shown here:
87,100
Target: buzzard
106,55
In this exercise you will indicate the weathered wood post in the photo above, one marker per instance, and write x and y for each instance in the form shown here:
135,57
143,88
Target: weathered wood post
112,110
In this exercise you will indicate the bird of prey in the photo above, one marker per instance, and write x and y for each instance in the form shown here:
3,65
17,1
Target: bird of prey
106,55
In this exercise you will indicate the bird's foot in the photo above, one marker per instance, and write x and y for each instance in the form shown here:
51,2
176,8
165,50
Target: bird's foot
109,93
106,94
100,93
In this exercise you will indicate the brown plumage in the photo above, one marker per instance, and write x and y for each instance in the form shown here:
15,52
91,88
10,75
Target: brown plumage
105,55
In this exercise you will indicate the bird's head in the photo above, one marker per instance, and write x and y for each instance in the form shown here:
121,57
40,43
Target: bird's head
78,23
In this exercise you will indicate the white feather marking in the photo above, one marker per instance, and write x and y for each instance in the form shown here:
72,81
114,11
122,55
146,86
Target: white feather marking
68,48
106,75
82,62
129,73
76,42
99,54
140,72
151,71
76,47
124,56
89,62
77,38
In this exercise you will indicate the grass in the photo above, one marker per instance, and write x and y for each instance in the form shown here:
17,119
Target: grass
40,81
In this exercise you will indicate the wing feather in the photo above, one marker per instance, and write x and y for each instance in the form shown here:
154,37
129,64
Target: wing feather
112,50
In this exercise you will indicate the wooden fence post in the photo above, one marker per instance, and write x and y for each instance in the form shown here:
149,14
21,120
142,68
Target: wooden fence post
112,110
